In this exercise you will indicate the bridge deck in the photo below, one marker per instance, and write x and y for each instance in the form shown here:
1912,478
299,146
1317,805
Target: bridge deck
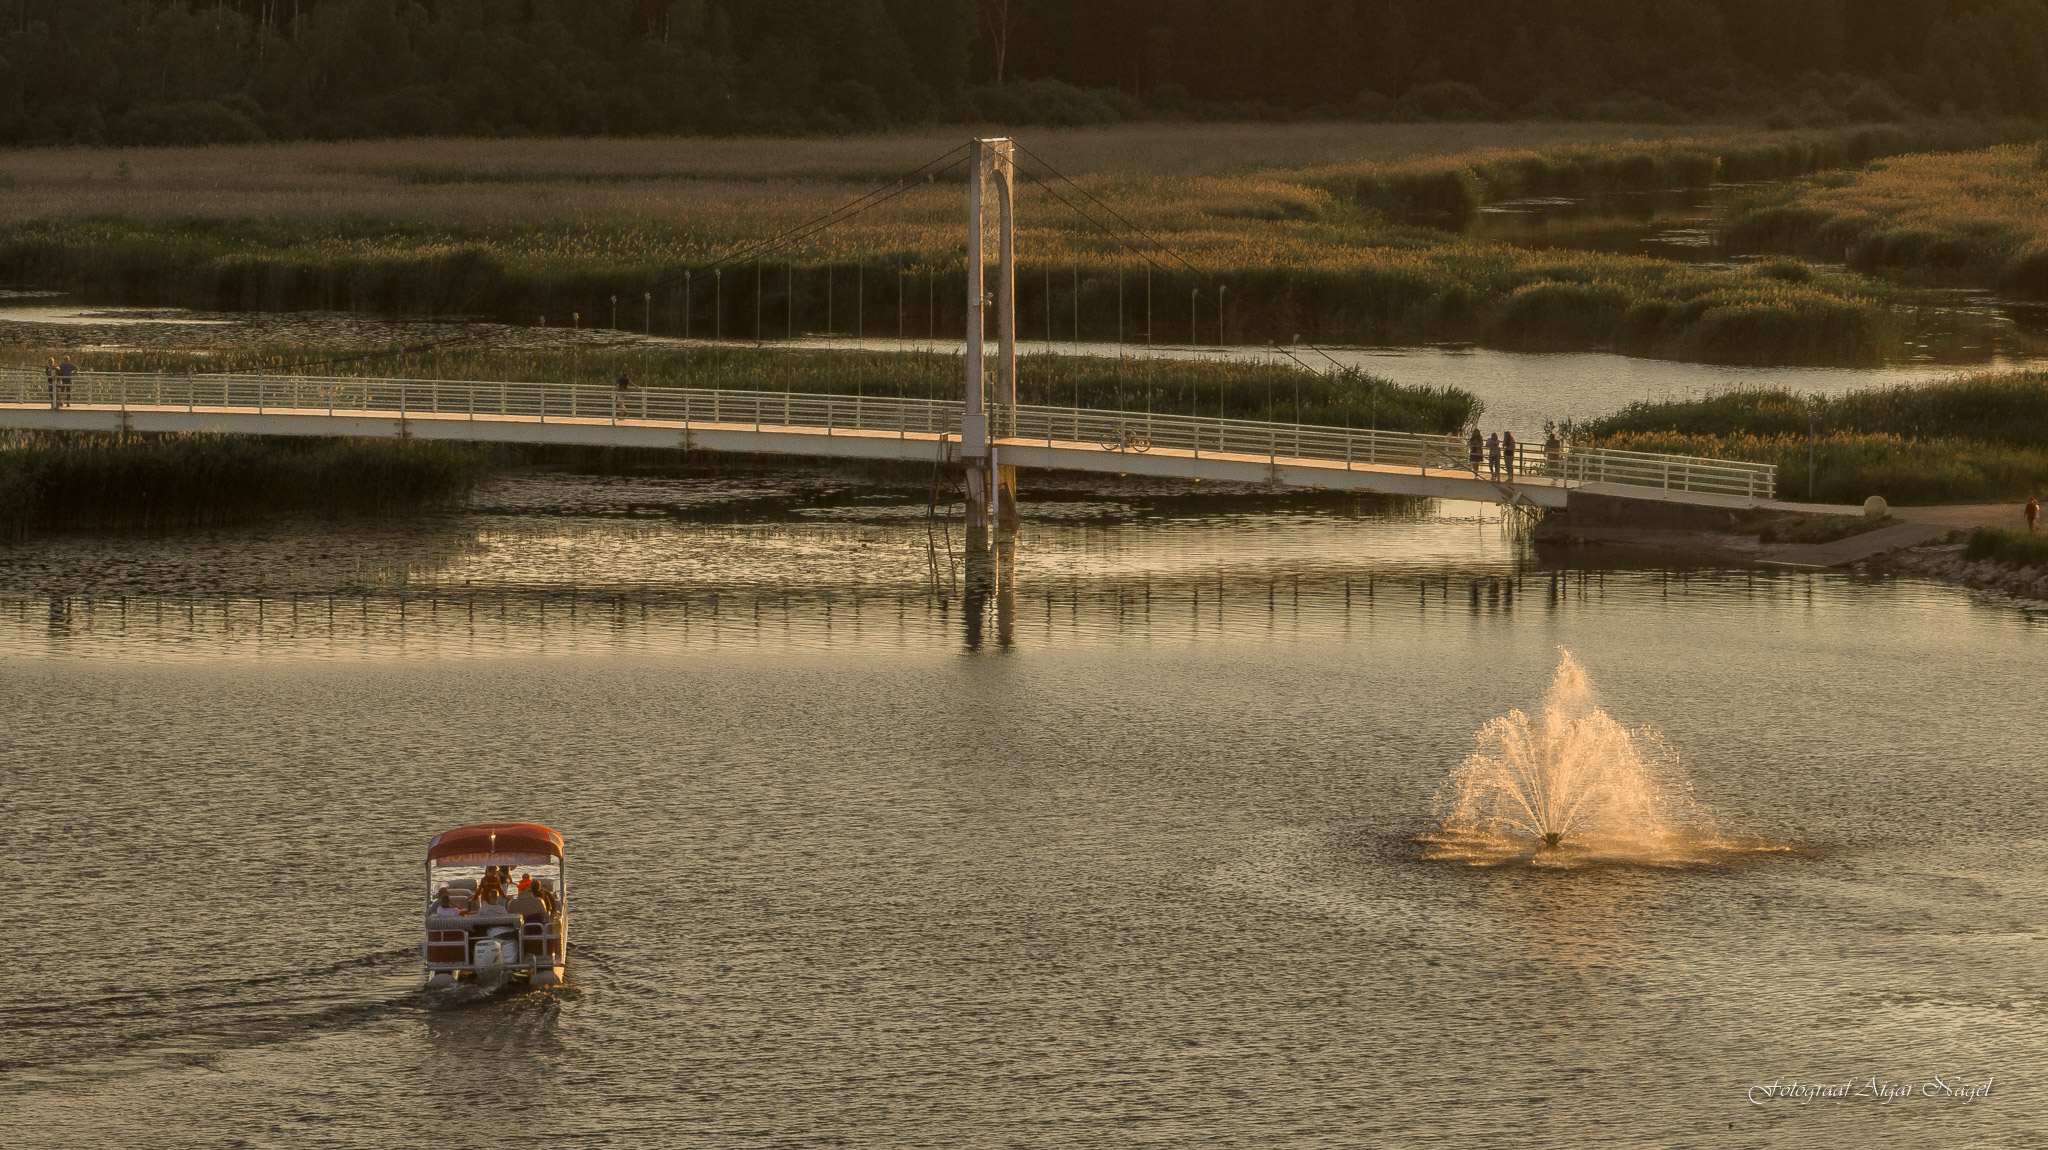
852,427
1273,468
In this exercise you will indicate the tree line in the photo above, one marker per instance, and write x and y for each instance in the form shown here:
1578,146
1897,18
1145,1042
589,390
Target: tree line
193,71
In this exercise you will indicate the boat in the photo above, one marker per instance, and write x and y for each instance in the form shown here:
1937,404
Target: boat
497,906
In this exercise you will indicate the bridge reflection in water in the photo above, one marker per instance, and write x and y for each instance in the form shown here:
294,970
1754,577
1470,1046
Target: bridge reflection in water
495,622
987,449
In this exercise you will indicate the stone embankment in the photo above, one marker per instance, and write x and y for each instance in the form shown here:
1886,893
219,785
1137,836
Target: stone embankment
1945,561
1927,542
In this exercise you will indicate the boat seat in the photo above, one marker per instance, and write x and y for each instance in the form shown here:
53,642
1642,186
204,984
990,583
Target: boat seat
447,946
540,940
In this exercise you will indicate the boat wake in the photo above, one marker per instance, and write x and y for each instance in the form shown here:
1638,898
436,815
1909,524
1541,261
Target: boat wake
1574,788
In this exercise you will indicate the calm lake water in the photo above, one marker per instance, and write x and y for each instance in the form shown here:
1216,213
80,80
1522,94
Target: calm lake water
1145,873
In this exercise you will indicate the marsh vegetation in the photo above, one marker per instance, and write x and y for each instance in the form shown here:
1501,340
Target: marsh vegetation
1284,391
63,482
1262,240
1971,219
1969,439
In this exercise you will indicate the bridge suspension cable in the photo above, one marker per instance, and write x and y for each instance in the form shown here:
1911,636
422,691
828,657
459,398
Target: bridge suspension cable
1131,228
875,197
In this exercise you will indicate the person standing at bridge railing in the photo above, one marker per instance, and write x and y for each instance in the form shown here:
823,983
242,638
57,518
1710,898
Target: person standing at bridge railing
65,371
1477,447
620,387
1553,454
1493,456
1508,447
50,380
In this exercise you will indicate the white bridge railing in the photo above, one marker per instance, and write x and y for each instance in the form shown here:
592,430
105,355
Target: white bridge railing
1058,426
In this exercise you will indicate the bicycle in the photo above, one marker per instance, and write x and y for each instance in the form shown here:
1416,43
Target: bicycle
1124,439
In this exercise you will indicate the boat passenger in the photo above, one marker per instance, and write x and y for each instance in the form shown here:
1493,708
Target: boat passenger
444,903
528,907
525,882
492,888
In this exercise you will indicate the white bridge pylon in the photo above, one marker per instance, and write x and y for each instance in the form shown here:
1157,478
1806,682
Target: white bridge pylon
991,484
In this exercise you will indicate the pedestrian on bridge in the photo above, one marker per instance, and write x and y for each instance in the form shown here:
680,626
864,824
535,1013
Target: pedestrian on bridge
1508,448
65,371
620,387
1553,454
2033,511
50,380
1493,456
1477,446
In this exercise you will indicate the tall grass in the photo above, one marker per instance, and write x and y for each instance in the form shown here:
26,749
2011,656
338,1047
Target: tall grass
1993,407
1851,467
1331,282
1270,251
1970,219
56,482
2012,548
1281,390
1967,439
1431,189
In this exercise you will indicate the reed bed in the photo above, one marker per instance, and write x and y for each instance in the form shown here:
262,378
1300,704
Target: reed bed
1277,240
1330,281
1967,439
2009,407
466,179
1425,188
1281,390
1850,467
1971,219
60,482
2012,548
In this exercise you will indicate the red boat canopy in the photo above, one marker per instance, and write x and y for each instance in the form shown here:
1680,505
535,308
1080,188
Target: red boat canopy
495,844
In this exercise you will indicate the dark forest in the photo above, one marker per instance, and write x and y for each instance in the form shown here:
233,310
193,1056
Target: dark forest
194,71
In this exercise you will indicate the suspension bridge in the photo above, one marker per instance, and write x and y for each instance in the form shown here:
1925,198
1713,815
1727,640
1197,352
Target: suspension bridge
853,427
987,435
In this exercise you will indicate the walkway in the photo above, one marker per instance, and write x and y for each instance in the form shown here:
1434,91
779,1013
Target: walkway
851,427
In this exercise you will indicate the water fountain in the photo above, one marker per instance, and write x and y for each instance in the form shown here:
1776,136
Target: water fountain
1569,787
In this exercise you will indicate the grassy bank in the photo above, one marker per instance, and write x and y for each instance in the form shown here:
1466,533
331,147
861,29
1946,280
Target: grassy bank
1970,439
1850,467
2008,407
2012,548
1329,281
1971,219
1280,390
1264,243
52,483
1437,189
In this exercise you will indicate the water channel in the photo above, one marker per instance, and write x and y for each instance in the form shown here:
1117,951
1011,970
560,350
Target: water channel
1522,391
1151,870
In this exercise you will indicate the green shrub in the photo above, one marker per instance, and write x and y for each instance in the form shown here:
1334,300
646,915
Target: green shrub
1993,407
55,482
1550,316
1850,468
2012,548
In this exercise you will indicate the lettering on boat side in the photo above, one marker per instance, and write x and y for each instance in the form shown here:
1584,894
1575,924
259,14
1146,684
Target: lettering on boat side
1943,1087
